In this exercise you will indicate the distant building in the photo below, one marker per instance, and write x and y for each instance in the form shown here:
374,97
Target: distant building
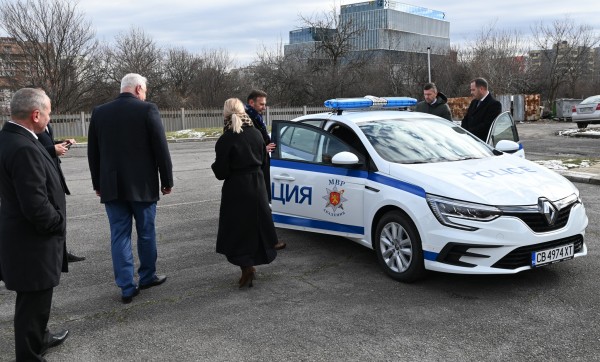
381,27
12,59
567,58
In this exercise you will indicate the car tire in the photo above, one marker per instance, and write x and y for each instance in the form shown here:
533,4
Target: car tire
582,125
398,247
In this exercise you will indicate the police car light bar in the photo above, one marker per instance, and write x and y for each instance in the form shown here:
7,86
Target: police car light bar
370,102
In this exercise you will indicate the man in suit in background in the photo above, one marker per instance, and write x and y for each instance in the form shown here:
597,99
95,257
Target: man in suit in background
482,111
257,104
32,223
127,145
56,149
435,102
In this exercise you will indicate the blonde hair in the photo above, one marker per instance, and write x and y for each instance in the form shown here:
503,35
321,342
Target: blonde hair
234,110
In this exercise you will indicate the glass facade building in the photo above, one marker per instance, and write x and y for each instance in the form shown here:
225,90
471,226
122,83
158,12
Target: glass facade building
384,26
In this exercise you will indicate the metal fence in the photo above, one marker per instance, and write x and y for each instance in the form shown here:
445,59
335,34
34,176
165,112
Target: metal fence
76,125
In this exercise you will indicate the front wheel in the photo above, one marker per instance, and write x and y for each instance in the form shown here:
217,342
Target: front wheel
398,247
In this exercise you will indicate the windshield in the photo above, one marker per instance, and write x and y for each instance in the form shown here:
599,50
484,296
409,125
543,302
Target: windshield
422,140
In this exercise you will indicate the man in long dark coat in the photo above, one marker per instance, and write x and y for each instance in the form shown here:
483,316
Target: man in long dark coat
257,103
482,111
56,149
32,223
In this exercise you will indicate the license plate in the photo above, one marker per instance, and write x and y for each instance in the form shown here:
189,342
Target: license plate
586,110
560,253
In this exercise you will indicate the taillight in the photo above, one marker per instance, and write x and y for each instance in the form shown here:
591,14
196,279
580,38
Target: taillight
598,107
574,110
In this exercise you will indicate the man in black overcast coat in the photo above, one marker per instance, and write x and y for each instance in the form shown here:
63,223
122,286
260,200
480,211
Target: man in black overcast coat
127,151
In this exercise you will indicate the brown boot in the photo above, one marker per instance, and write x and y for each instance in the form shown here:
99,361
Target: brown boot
247,276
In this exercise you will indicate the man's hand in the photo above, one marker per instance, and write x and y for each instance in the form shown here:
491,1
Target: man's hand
61,148
165,190
271,147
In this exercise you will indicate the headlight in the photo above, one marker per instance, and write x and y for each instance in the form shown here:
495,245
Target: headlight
444,209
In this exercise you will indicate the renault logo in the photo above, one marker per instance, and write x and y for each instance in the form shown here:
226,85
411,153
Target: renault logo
547,208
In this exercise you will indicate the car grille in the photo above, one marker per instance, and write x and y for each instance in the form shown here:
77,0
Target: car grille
522,256
538,223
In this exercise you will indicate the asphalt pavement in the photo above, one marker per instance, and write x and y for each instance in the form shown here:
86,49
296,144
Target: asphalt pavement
323,299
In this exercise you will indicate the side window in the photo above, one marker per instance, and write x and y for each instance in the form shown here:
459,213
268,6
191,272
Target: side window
301,142
503,129
298,143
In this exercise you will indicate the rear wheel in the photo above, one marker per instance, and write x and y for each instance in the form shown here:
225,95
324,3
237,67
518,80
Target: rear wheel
582,125
398,247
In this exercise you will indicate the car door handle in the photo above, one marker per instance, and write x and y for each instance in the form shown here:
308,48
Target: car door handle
284,177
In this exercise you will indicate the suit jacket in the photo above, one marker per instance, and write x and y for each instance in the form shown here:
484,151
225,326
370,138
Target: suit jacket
32,213
127,150
478,120
47,140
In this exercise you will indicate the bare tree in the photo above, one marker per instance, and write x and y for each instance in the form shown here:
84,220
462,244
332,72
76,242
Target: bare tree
58,51
333,49
213,77
136,52
499,56
563,51
181,76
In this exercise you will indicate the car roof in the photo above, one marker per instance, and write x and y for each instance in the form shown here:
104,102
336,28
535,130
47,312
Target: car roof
368,116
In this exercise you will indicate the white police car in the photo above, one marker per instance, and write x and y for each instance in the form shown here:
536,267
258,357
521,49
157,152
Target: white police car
421,191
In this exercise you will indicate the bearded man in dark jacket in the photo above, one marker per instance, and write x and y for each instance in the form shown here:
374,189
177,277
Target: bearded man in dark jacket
435,102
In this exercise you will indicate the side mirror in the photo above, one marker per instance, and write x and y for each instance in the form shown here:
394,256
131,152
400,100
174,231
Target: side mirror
344,158
507,146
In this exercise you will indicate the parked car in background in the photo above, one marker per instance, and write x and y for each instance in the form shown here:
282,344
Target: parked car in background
587,112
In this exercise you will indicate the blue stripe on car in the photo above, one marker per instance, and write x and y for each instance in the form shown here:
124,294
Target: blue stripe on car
318,224
340,171
429,255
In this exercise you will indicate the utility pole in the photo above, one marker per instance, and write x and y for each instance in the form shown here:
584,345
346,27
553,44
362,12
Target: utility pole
429,63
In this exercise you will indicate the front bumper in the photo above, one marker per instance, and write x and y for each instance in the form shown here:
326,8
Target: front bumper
502,246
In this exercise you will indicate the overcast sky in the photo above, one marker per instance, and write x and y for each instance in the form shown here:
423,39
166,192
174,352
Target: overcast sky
244,27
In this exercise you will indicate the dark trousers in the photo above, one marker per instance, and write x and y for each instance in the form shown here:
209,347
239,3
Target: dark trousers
32,311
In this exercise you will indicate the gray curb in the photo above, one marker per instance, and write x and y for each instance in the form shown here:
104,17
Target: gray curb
581,177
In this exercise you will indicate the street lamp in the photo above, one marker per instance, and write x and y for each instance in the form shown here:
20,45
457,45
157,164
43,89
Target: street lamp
429,63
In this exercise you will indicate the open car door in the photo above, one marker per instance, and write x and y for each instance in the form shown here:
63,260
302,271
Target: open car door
505,129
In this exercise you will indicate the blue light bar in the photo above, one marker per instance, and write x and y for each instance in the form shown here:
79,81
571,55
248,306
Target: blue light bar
370,102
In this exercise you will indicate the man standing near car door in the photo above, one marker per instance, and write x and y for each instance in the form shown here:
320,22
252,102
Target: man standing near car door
482,111
257,103
435,102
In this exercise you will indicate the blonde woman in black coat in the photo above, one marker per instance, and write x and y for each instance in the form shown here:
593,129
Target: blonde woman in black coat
246,233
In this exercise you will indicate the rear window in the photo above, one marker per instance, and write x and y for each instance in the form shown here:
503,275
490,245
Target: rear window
593,99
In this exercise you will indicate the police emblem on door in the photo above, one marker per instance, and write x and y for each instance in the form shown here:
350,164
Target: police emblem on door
335,201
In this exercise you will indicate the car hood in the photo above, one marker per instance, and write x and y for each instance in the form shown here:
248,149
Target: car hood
500,180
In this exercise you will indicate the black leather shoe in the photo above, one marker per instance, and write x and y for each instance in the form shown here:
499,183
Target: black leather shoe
129,298
158,280
72,258
55,339
280,245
